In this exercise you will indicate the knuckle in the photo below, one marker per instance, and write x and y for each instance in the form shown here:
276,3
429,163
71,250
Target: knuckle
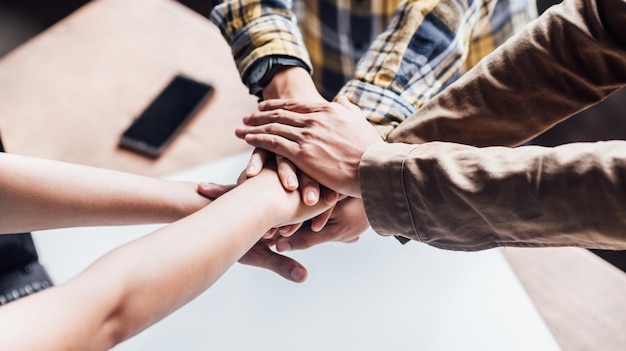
330,108
274,142
282,265
308,134
309,120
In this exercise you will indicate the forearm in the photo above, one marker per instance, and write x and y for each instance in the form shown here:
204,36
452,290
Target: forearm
143,281
460,197
43,194
192,254
292,83
570,58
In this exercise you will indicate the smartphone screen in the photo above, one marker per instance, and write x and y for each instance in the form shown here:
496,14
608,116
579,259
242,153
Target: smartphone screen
159,123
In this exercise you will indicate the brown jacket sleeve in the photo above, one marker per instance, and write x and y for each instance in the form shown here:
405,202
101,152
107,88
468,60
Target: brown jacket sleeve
460,197
463,198
570,58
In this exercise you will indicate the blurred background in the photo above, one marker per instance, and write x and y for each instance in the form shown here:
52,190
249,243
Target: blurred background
20,20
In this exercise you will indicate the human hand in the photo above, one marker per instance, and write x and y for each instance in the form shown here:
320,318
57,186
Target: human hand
310,189
261,254
326,140
212,191
287,173
292,83
347,223
287,210
289,83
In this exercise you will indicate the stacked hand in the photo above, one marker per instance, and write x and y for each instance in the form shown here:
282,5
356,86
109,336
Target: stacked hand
321,138
326,140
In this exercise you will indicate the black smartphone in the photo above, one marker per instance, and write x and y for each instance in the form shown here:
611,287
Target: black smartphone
165,116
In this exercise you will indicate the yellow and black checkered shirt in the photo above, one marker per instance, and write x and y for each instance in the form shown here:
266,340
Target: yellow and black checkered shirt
386,56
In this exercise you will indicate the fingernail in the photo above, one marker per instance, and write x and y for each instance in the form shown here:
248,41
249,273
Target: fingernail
291,181
283,245
298,274
251,169
311,196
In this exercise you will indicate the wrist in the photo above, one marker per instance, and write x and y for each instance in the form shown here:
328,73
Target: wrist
292,83
267,192
186,199
261,72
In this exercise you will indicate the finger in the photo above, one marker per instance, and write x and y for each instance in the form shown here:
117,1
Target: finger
290,105
287,173
330,196
320,221
289,230
262,256
304,239
350,240
275,144
257,160
212,190
281,116
242,177
283,130
309,189
270,233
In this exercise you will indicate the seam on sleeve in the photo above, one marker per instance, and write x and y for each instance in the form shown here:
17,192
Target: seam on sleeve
406,197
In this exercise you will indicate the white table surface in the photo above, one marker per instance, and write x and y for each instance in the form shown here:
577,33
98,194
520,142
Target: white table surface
372,295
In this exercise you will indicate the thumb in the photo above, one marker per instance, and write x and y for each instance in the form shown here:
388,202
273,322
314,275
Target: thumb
212,190
260,255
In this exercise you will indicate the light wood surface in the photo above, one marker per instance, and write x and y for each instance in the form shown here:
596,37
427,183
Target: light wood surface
579,295
69,93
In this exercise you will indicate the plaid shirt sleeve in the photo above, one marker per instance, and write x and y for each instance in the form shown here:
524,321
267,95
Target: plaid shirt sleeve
428,45
259,28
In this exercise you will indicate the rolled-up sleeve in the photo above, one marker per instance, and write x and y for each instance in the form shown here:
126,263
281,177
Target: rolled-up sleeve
570,58
259,28
428,45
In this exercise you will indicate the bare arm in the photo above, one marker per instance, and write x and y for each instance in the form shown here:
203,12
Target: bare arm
43,194
38,194
134,293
